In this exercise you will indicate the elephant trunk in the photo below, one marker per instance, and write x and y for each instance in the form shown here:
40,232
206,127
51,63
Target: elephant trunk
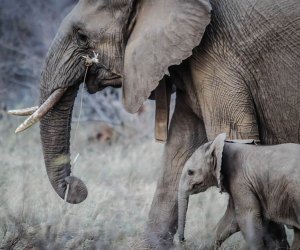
55,130
183,200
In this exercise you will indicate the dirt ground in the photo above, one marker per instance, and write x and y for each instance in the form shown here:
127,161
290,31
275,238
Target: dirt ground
121,178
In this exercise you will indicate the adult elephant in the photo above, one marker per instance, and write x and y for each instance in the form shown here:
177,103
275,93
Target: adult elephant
235,64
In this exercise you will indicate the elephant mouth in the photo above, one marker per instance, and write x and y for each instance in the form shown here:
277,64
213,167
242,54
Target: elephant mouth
94,84
113,82
197,188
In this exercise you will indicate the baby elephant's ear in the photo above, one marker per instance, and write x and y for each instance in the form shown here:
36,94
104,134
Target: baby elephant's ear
215,151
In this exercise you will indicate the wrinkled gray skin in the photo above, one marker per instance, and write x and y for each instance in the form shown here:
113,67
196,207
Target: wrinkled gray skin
262,182
241,75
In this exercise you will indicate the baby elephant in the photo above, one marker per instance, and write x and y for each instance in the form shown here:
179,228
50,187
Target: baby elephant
263,183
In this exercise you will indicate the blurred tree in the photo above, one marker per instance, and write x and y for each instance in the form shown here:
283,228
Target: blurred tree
26,30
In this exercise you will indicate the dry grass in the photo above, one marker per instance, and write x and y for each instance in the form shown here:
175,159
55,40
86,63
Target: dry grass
114,213
121,180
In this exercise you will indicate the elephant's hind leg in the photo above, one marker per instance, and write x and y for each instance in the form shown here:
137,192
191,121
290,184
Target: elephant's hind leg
186,134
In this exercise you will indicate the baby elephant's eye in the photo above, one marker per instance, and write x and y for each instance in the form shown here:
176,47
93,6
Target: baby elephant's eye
190,172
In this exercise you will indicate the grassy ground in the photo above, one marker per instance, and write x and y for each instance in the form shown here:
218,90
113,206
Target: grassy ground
121,180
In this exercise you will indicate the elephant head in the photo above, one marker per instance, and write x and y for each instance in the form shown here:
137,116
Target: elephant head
201,171
132,44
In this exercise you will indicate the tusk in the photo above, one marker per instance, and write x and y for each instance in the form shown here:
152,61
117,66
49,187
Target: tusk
42,110
23,112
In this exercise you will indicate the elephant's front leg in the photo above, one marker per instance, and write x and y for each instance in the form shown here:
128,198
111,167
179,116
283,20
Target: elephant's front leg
226,226
186,134
249,218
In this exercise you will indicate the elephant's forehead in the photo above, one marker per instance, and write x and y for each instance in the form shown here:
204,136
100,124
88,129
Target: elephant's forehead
118,4
93,3
87,13
99,16
197,159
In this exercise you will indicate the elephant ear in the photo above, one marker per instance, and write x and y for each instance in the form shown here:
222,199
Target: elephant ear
165,33
215,151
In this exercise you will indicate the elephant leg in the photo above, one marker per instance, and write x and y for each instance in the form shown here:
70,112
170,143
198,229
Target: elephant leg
226,226
274,234
296,241
186,134
249,217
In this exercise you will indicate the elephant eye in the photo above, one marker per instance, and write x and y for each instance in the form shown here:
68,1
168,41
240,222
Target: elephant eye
190,172
82,39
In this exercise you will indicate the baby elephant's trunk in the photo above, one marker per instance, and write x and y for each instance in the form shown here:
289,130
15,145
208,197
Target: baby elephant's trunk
183,200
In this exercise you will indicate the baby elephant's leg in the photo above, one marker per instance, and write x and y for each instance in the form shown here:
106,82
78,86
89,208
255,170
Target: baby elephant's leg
249,218
226,226
296,241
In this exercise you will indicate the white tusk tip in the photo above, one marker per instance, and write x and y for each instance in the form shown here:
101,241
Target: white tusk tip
23,112
19,129
25,125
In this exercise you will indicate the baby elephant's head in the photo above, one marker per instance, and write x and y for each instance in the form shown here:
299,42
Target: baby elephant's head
200,172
